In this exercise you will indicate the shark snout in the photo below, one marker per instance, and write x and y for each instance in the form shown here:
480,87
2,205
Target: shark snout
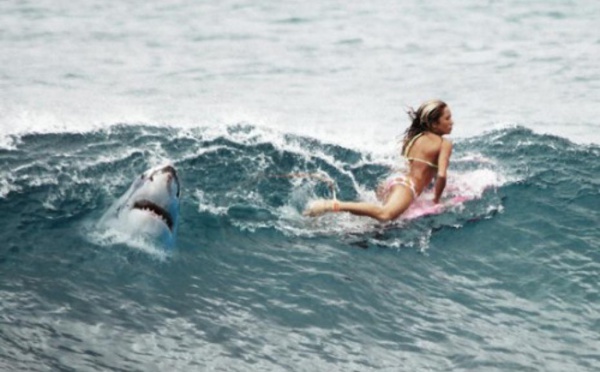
169,169
169,174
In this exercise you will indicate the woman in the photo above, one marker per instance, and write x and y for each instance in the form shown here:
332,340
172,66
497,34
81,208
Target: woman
428,156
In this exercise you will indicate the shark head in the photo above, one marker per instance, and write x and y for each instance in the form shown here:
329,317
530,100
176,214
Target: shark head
150,208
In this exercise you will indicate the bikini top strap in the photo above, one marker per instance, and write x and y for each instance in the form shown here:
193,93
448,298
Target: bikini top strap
411,143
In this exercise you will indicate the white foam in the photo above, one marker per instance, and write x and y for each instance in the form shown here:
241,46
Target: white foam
204,205
473,183
7,184
111,237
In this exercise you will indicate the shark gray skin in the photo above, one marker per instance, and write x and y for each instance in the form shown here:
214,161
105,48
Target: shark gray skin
150,208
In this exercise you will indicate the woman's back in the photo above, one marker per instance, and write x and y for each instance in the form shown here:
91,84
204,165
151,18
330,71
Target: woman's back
422,152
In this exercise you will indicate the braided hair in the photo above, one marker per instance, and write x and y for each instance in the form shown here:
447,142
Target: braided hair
423,119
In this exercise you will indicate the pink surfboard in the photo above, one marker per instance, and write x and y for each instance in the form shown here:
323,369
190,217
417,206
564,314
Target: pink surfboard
421,208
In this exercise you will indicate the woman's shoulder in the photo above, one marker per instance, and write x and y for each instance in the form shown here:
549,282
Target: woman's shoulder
436,139
446,146
439,143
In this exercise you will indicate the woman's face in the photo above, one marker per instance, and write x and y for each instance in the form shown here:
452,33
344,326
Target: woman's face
444,123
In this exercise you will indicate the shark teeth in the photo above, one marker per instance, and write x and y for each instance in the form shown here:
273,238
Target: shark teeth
149,206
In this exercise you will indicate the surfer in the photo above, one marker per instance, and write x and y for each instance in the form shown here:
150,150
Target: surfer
427,154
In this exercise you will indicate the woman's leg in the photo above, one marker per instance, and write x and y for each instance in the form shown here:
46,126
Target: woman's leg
397,202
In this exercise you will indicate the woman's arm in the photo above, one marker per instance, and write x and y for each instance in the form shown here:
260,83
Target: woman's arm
443,162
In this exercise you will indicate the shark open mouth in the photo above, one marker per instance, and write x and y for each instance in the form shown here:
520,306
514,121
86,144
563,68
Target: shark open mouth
157,210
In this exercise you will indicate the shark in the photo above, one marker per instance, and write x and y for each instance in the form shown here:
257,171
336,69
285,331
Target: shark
150,207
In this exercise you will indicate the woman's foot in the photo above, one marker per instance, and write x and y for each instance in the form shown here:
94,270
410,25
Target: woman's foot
319,207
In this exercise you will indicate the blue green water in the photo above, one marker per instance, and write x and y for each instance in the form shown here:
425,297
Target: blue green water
506,282
237,95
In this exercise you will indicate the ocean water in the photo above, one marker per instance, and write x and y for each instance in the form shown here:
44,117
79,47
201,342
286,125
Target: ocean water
238,96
